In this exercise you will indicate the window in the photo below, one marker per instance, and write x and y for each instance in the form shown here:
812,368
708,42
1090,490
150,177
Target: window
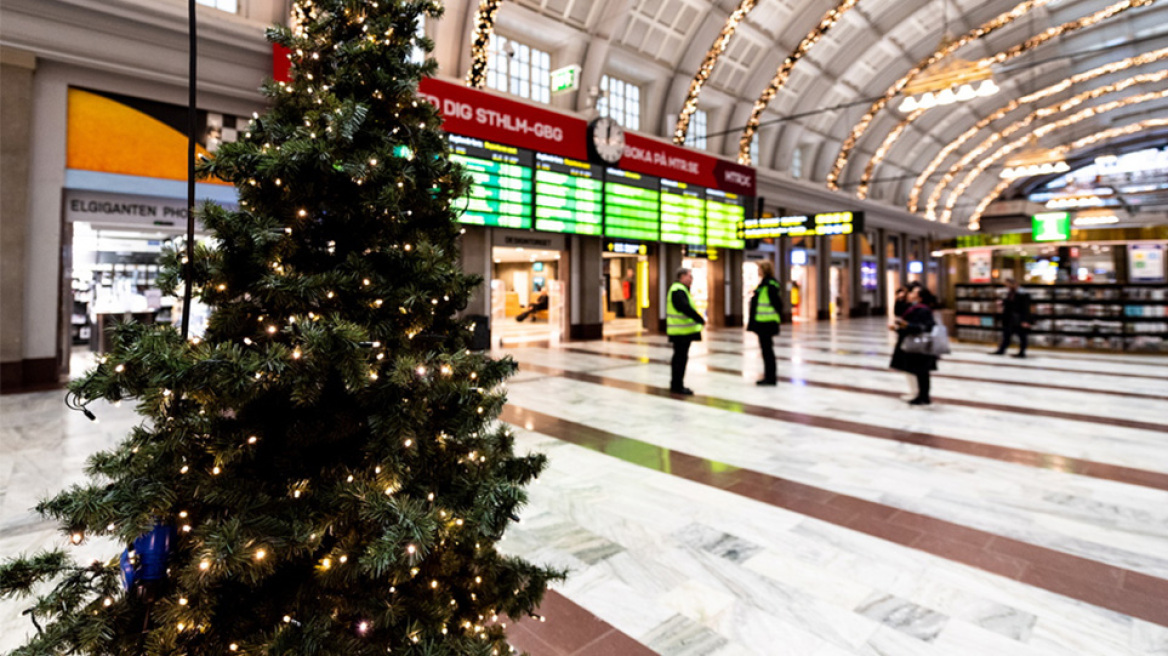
797,162
754,152
519,69
696,136
621,101
417,54
231,6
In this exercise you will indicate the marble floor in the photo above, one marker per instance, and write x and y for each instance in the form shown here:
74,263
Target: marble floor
1025,512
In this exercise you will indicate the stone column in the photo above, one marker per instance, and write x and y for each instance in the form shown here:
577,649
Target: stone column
17,69
586,315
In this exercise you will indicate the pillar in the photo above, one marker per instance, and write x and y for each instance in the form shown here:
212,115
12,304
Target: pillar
823,276
733,286
585,313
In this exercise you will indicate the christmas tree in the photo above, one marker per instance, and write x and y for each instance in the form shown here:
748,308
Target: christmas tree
322,472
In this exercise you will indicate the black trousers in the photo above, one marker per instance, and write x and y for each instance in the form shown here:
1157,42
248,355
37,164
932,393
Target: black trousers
766,344
923,386
1010,329
680,360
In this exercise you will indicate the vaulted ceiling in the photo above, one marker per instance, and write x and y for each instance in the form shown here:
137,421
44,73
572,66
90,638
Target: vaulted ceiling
869,46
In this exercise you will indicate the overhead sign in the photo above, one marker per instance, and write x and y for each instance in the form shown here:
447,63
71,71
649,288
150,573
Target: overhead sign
798,225
1146,262
626,248
1051,226
164,214
566,79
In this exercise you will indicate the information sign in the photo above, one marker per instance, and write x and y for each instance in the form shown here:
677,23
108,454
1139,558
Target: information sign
683,213
632,203
1051,226
501,193
829,223
724,213
568,196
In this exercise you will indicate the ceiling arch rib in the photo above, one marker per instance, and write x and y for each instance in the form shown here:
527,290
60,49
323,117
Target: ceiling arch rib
1115,67
997,23
484,26
1079,144
1013,146
825,24
707,68
1045,112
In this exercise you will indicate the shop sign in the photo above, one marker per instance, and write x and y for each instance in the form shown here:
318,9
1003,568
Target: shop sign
95,207
916,266
626,248
1146,262
1051,226
516,238
700,252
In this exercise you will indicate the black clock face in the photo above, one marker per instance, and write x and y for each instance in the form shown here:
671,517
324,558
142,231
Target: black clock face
608,139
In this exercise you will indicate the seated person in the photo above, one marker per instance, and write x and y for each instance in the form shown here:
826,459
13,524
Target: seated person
541,303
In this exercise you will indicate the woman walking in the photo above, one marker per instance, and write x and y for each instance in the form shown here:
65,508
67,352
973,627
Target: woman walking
765,317
917,319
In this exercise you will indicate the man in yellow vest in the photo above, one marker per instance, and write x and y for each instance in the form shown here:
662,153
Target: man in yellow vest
765,316
683,324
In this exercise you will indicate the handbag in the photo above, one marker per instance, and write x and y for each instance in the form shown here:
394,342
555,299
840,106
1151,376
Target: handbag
935,342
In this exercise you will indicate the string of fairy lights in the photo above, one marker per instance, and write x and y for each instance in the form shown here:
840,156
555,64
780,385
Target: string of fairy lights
476,77
1085,142
1083,115
951,147
883,150
1037,115
780,79
707,68
985,29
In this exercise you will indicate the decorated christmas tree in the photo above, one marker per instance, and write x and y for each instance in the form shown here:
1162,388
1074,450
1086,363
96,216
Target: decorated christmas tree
322,472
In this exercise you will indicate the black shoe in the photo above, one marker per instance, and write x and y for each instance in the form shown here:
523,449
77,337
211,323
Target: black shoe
997,352
1018,355
766,383
920,401
684,391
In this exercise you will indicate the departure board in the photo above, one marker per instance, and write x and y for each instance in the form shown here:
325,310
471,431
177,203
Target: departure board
683,213
724,213
502,189
632,205
568,195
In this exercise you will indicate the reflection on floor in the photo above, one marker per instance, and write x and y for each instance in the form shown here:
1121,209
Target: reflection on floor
1024,513
528,332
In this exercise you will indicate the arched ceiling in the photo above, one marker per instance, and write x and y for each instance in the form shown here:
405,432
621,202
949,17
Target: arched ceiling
661,44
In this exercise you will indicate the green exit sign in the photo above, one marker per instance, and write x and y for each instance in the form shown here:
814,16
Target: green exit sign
566,79
1051,226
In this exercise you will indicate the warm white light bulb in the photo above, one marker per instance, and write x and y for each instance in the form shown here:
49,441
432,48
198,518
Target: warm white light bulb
908,105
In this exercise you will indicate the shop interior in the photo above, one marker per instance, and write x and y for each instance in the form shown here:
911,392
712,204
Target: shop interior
114,276
700,289
803,287
528,295
626,293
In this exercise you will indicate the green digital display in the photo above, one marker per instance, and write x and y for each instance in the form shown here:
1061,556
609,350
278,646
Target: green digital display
683,213
569,196
503,182
632,204
1051,226
724,213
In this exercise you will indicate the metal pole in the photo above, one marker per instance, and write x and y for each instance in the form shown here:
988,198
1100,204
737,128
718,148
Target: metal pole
192,126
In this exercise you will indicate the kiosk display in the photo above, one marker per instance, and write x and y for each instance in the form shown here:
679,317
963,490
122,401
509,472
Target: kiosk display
502,189
568,196
631,205
683,213
724,213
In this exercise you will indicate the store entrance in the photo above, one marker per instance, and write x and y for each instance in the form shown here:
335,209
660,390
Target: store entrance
891,284
625,293
840,294
803,291
528,295
700,289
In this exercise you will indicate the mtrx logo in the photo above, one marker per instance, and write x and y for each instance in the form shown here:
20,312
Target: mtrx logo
738,178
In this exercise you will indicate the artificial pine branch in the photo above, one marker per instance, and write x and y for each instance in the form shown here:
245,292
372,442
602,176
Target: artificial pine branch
328,454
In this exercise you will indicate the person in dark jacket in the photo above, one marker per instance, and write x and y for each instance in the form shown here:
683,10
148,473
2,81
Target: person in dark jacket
683,324
1015,318
916,320
541,303
765,317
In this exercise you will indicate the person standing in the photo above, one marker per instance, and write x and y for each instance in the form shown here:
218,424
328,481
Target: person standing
765,317
683,324
1015,318
917,319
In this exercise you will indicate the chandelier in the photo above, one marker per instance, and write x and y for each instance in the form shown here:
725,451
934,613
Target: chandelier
1095,217
1074,202
949,83
1035,161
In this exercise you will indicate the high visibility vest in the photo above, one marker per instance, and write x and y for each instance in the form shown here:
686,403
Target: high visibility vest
677,323
765,311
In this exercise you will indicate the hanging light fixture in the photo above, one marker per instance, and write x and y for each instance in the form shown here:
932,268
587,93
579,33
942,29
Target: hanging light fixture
1033,161
956,81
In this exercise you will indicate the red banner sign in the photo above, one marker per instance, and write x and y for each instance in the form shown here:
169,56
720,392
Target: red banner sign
486,115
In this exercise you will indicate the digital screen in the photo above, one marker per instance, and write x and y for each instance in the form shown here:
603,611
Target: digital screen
1051,226
829,223
631,205
683,213
501,193
724,213
569,196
